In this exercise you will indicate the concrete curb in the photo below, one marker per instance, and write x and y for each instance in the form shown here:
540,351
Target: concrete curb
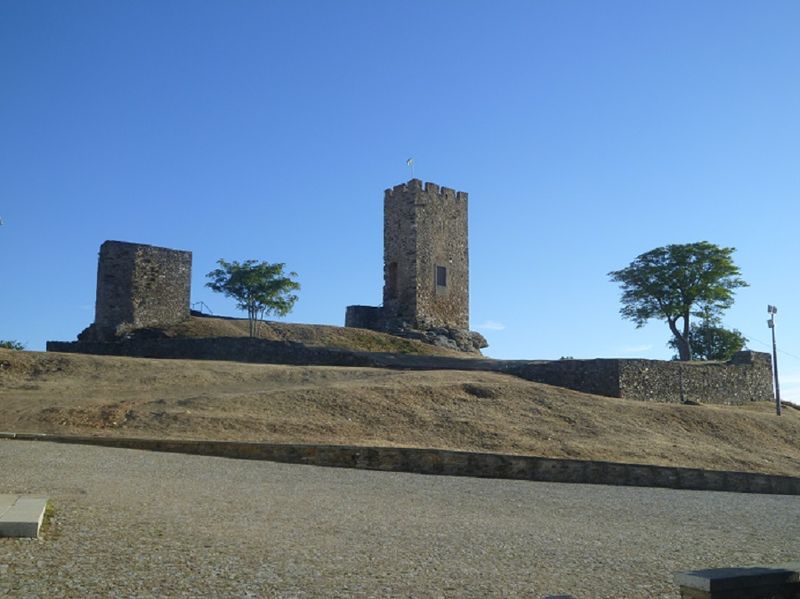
21,515
454,463
781,580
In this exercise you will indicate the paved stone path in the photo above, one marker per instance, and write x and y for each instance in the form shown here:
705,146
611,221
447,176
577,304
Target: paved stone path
145,524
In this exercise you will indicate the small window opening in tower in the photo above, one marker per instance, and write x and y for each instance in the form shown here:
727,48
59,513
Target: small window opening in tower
392,281
441,276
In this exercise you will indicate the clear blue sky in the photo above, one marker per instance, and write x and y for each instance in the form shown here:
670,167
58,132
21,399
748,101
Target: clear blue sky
585,133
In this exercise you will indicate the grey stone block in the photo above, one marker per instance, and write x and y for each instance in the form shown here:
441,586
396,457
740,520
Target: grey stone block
723,579
21,516
755,582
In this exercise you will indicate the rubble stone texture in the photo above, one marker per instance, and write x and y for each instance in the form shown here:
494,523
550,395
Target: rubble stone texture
425,270
426,260
140,286
746,377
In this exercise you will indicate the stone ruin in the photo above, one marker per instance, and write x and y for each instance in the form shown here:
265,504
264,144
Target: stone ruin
425,268
139,286
425,290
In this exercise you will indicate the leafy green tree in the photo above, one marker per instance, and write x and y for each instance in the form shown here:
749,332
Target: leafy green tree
259,288
15,345
676,282
711,341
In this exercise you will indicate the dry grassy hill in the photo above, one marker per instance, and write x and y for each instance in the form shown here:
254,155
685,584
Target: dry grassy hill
482,411
309,334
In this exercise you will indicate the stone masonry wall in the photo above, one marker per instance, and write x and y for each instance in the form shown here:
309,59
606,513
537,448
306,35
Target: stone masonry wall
425,227
399,254
443,462
140,286
442,241
235,349
363,317
599,377
746,377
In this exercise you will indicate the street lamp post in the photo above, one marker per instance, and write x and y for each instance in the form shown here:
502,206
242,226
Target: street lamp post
772,311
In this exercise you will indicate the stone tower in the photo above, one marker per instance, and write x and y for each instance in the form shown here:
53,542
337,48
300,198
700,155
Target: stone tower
139,286
425,256
425,269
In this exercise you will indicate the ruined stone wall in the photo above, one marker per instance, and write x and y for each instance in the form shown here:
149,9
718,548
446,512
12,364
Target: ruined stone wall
599,377
363,317
140,286
746,377
235,349
425,229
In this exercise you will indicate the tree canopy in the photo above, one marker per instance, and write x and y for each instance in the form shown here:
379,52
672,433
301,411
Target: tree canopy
710,341
259,288
676,282
11,344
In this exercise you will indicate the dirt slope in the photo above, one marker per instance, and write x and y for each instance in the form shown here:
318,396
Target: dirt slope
70,393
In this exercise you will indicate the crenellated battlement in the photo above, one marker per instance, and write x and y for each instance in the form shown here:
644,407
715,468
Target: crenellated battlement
425,265
417,186
426,262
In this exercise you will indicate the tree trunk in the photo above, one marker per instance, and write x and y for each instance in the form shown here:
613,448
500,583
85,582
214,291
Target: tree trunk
251,318
684,350
681,340
686,336
256,323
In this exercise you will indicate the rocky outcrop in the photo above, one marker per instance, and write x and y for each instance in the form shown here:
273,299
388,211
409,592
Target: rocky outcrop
458,339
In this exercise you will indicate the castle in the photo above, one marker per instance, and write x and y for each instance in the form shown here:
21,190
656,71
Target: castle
425,287
425,267
425,296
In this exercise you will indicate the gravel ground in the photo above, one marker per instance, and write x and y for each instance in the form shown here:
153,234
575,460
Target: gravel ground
140,524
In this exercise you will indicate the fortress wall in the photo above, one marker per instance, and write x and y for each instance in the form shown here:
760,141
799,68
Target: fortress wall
600,377
234,349
363,317
746,377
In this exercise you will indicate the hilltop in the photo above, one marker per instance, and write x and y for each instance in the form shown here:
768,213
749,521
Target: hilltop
315,335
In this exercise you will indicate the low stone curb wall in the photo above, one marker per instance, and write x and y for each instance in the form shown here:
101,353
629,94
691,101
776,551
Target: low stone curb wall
455,463
753,582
